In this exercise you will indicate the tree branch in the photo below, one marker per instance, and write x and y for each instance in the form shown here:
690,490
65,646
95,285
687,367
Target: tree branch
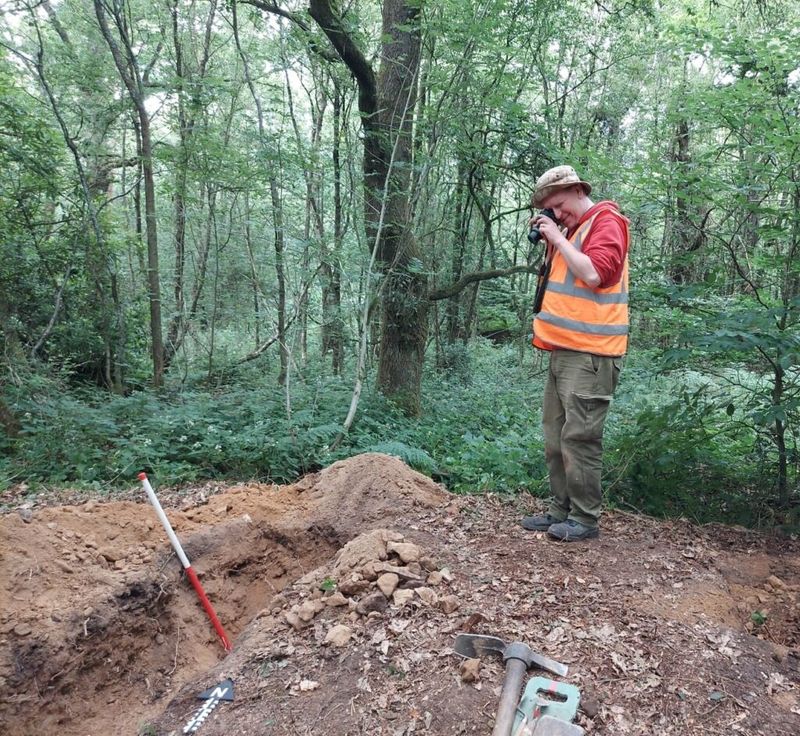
445,292
275,9
351,55
277,335
54,317
299,21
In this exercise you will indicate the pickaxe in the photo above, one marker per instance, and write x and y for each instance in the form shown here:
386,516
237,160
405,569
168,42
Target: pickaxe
518,657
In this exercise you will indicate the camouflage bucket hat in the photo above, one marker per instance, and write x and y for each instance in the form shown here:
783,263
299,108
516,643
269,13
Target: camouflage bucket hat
556,178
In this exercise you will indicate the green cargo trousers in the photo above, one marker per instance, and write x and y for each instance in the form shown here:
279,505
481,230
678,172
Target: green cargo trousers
576,399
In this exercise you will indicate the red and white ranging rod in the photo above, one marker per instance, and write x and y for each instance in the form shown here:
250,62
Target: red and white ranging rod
190,573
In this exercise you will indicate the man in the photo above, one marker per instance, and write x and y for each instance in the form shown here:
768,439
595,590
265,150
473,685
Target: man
583,323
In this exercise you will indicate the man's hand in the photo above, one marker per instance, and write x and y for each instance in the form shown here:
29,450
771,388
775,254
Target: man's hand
579,264
550,231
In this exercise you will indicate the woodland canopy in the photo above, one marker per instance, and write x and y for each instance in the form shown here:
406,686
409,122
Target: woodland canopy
247,238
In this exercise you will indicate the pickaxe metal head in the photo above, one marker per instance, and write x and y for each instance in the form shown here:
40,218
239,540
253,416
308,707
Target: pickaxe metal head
472,646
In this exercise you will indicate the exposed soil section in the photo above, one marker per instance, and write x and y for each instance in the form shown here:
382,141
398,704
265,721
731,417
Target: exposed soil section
343,594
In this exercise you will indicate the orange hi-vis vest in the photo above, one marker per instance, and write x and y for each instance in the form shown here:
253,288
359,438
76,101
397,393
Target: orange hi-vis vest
574,316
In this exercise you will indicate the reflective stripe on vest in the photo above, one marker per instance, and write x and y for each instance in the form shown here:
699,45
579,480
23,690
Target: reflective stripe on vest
575,316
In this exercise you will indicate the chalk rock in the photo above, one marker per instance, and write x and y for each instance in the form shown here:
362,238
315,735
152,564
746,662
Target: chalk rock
427,596
406,551
370,571
335,600
112,554
309,609
387,583
278,602
363,549
449,604
775,582
401,597
309,580
293,620
428,563
470,670
339,635
404,573
435,578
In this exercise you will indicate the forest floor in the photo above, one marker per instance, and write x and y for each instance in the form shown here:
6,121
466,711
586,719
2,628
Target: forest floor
100,634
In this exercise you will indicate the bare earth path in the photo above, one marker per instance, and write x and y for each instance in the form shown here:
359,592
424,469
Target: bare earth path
667,628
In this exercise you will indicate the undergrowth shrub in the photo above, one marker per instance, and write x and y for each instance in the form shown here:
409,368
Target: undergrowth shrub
672,459
671,445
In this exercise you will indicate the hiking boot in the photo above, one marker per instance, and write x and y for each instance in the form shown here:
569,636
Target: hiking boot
572,531
539,523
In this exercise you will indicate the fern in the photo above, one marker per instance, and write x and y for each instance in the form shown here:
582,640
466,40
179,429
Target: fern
413,456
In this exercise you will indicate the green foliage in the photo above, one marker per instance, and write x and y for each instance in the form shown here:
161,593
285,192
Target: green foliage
472,438
684,112
759,618
455,361
752,347
676,459
677,444
412,456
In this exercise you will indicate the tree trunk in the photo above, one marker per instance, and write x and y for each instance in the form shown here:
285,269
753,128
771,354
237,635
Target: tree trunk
181,174
277,211
386,104
779,436
248,239
460,230
681,224
313,180
277,225
186,127
137,197
8,421
153,280
332,326
128,69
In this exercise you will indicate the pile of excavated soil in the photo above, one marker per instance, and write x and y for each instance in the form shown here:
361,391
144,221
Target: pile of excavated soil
97,628
343,594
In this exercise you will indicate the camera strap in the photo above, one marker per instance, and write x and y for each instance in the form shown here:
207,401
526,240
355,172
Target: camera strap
543,278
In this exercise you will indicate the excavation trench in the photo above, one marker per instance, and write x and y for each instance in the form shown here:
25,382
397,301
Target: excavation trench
100,629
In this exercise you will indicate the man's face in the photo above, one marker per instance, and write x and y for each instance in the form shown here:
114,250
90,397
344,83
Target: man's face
568,205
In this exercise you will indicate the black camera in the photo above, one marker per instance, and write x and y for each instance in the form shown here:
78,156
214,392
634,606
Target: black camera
534,236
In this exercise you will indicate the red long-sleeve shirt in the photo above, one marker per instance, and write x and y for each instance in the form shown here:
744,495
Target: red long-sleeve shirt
606,246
